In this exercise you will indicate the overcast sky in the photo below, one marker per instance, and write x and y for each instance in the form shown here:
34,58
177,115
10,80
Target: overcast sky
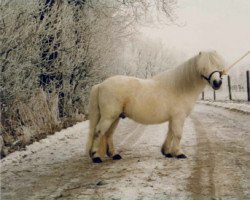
223,25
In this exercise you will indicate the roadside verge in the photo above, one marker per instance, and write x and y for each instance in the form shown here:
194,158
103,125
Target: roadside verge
234,106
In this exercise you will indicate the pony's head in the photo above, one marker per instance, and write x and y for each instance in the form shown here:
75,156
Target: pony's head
211,67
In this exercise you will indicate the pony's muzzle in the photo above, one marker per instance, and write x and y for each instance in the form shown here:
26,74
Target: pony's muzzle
216,84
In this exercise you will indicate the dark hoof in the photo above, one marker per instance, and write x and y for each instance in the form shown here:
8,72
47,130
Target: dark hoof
117,157
96,160
168,155
181,156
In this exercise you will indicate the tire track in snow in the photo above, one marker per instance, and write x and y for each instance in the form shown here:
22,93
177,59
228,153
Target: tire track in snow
218,157
204,164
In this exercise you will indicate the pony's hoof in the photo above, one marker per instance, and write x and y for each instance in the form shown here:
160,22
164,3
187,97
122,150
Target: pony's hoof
168,155
117,157
181,156
96,160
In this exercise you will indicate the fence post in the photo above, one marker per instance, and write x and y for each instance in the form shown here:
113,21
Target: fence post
248,86
202,95
214,96
229,87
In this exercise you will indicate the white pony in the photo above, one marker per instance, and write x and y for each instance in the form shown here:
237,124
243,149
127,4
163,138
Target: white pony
168,96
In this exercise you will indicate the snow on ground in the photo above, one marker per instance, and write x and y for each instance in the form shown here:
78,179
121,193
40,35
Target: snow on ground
235,106
215,140
57,140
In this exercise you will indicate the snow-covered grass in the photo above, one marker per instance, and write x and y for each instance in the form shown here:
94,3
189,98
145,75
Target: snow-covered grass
72,133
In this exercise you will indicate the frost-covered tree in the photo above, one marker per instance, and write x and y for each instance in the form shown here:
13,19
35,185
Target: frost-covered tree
53,51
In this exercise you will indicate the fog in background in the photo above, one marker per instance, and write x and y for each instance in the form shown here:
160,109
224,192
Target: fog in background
222,25
201,25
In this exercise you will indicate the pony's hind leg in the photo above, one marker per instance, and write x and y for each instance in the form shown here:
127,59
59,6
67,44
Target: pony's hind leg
102,127
110,145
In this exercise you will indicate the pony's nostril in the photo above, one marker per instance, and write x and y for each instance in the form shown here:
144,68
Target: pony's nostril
217,84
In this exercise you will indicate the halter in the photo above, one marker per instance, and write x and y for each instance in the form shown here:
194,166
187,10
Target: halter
208,79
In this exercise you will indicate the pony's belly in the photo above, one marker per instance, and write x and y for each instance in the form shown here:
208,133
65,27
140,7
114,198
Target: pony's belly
148,120
148,117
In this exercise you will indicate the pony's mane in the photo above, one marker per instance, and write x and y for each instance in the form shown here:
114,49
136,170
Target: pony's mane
204,59
188,74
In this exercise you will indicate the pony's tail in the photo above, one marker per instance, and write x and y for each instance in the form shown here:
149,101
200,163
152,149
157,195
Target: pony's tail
94,117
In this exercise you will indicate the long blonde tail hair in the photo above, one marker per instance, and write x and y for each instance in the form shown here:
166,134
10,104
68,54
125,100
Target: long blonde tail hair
94,117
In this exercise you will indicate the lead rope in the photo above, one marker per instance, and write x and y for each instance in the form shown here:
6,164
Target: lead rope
225,71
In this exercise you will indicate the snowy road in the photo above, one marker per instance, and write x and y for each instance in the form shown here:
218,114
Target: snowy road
215,140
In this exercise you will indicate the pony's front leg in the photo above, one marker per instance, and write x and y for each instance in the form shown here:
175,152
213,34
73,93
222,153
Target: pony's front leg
171,146
165,149
176,127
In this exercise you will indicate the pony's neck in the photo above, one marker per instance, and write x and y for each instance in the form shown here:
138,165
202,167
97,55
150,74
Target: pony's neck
183,79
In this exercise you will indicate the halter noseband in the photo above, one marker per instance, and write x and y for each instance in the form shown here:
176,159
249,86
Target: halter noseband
208,79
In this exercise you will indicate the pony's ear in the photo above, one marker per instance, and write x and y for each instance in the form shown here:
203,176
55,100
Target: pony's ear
200,53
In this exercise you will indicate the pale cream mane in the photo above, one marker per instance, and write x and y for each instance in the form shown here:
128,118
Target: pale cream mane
206,60
188,75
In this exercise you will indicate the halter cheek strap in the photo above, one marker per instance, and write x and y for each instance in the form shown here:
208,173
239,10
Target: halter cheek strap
209,78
